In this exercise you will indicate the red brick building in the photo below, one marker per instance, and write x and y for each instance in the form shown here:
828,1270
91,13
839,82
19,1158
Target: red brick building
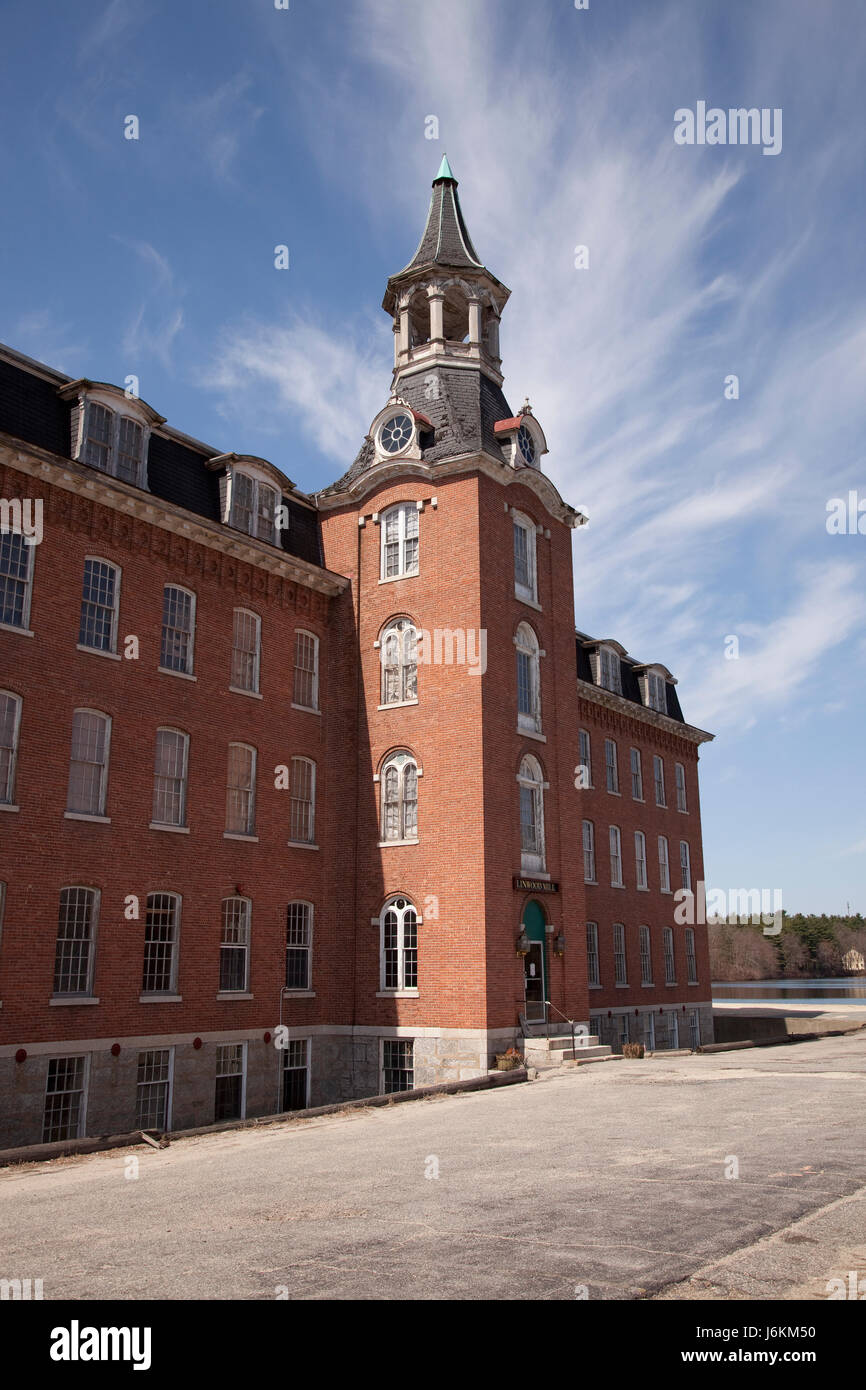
307,797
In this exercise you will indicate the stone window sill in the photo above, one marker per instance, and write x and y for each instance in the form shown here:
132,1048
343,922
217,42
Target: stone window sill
81,815
67,1001
8,806
300,844
253,694
386,844
160,998
397,704
22,631
172,829
298,994
183,675
98,651
234,994
306,709
397,994
250,839
532,733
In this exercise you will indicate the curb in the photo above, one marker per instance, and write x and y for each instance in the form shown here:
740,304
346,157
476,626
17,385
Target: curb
43,1153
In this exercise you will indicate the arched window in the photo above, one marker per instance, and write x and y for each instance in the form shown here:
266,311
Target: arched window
299,937
525,573
399,954
400,541
254,506
399,784
241,790
303,794
76,941
100,595
531,781
169,777
398,649
305,690
16,579
10,721
246,651
88,763
162,924
528,679
178,629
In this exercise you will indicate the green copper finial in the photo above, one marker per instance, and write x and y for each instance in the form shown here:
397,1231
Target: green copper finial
444,170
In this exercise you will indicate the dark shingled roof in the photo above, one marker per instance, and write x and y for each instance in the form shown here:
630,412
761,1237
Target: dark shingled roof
463,416
446,241
628,679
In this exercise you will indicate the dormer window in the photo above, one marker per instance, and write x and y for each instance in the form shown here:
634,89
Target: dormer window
110,430
254,507
656,693
526,445
396,433
609,676
522,439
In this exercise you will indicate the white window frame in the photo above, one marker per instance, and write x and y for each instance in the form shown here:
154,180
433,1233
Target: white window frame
95,900
527,645
104,766
528,593
243,1075
245,653
26,582
656,692
306,1069
589,852
183,778
111,649
659,780
620,958
680,780
664,865
174,957
636,767
404,764
236,791
310,802
311,637
270,534
7,793
406,956
167,1082
615,839
585,754
189,668
609,672
611,766
646,959
532,861
81,1128
669,955
691,957
113,442
404,570
382,1068
640,865
306,947
243,920
404,633
685,866
593,963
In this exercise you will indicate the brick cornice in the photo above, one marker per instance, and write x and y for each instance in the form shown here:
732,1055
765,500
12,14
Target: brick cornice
100,489
619,709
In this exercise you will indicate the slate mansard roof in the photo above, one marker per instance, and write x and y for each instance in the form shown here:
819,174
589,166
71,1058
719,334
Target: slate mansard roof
31,410
628,669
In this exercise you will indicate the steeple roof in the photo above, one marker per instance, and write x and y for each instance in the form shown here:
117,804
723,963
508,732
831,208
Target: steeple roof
446,241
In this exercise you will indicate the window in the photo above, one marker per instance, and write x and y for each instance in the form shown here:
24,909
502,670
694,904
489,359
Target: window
296,1074
585,756
615,858
178,626
10,723
640,859
396,433
400,541
528,679
235,946
254,507
2,906
63,1117
636,775
659,780
691,960
399,658
592,962
649,1031
241,790
531,815
306,687
399,783
114,444
299,934
611,765
588,852
229,1096
88,763
664,865
161,927
76,935
670,970
153,1089
646,964
694,1028
619,964
680,776
609,670
673,1030
16,575
169,777
398,1065
525,572
303,794
97,626
399,945
685,865
656,692
246,650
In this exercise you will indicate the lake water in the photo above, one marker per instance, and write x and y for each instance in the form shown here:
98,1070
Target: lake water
848,988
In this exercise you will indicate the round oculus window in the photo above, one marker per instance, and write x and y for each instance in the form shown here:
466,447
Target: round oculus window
396,433
526,444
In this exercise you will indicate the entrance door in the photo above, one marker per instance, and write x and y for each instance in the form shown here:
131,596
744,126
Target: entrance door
535,964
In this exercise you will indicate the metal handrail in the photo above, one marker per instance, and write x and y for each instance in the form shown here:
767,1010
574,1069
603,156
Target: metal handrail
565,1019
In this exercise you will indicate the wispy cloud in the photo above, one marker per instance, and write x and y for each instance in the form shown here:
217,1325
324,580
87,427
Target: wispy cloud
42,335
158,319
219,122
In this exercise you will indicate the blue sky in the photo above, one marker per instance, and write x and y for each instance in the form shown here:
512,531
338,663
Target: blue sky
306,127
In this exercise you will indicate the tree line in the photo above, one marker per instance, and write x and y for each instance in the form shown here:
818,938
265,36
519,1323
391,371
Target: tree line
808,947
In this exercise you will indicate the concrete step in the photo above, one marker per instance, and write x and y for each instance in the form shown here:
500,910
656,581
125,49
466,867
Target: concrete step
555,1057
560,1044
